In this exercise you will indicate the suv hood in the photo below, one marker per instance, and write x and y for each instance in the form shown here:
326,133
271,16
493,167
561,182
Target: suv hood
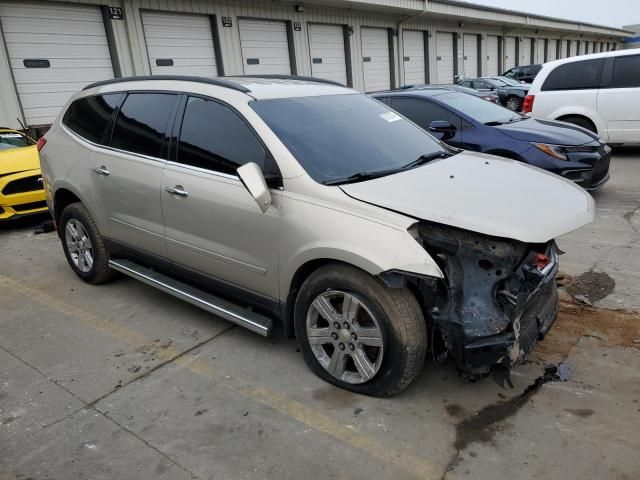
546,131
484,194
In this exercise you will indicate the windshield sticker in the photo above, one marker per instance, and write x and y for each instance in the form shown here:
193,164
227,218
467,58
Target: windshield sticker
10,135
390,117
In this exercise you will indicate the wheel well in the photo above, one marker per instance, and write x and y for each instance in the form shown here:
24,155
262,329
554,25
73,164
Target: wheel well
298,279
564,118
61,200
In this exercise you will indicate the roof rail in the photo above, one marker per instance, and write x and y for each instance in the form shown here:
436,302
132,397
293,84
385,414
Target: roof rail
277,76
186,78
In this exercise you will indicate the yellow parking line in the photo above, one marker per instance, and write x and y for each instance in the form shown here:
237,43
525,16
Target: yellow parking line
415,466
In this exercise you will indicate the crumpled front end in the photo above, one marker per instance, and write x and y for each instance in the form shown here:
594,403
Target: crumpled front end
498,297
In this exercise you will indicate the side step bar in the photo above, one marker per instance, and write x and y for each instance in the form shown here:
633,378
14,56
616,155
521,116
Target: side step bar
229,311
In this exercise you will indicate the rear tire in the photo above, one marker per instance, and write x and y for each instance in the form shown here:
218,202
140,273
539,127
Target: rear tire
513,103
390,350
83,245
581,122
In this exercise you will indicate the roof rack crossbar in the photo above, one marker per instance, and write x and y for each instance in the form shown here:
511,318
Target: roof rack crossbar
187,78
277,76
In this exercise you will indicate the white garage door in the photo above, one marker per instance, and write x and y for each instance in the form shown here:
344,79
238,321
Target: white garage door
54,51
413,61
264,45
470,55
179,44
492,55
552,50
525,52
326,49
509,53
375,59
573,48
444,58
540,48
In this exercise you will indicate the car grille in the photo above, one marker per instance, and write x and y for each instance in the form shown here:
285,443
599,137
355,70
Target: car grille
600,169
29,206
27,184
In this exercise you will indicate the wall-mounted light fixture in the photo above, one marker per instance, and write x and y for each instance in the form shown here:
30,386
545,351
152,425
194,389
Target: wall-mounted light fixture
299,8
461,24
350,30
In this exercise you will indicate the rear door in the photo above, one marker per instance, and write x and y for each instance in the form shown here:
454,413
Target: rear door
619,98
265,46
444,58
375,59
179,44
414,58
213,225
327,52
126,177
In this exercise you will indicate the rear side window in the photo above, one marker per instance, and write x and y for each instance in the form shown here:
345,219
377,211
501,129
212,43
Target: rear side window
214,137
141,123
420,112
89,116
575,75
626,72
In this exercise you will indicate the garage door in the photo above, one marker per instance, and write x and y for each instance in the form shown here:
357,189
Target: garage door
573,48
264,45
326,49
525,52
509,53
375,59
414,60
179,44
444,58
493,53
552,50
540,48
54,51
470,55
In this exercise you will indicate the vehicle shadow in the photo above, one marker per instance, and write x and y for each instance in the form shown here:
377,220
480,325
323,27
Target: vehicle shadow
24,223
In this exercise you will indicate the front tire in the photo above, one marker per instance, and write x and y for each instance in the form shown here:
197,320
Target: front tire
83,245
358,334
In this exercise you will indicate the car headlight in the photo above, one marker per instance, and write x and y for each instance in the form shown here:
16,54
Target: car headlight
560,151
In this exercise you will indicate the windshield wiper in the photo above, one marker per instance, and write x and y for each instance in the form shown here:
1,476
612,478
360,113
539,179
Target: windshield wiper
361,177
426,158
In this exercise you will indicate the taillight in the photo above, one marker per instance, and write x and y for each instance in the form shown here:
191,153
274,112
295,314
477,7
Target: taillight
41,143
541,261
527,105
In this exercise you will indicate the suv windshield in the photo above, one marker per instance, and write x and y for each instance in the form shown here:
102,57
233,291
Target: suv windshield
479,109
13,140
344,138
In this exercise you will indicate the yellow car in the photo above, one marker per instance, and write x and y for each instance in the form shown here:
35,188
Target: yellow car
21,190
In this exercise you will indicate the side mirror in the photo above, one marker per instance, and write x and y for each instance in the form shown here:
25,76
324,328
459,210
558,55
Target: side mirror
441,126
252,178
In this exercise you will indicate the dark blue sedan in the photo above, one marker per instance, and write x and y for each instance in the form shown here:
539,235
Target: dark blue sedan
470,123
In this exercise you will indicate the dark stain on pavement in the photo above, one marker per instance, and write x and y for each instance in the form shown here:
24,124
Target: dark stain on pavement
593,285
455,410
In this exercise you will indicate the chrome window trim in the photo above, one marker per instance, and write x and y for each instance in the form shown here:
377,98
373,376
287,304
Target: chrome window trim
203,170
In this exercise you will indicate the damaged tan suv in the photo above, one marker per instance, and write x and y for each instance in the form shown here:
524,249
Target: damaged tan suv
299,200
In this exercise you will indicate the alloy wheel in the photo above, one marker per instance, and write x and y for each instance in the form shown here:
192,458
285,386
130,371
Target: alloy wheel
345,336
79,245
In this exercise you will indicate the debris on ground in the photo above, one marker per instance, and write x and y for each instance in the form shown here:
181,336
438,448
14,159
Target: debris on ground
589,287
45,227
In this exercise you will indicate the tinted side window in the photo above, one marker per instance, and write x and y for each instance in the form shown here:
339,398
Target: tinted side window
466,84
89,116
626,72
214,137
575,75
142,122
420,112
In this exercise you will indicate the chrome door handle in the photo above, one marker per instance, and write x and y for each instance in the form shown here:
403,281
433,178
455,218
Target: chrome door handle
177,190
102,171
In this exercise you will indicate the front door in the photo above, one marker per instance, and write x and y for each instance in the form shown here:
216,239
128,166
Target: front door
126,176
212,224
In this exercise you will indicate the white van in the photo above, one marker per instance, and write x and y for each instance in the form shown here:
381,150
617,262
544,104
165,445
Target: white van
600,92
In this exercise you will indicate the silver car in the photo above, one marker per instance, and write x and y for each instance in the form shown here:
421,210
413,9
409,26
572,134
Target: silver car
306,202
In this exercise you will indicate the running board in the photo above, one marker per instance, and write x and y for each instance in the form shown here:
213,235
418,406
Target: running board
229,311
